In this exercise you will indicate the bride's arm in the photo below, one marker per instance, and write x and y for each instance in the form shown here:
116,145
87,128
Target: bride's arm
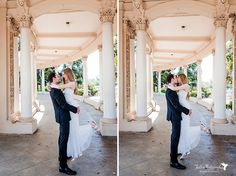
67,85
182,87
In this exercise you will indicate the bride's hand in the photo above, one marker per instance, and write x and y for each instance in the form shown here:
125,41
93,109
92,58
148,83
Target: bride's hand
78,110
165,87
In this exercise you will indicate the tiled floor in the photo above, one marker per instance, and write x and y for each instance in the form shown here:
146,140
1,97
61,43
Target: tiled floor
147,154
36,155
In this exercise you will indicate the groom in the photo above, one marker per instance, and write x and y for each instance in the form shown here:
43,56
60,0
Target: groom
174,110
62,114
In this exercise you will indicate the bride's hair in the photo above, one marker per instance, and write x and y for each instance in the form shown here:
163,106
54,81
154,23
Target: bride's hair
184,80
71,77
69,74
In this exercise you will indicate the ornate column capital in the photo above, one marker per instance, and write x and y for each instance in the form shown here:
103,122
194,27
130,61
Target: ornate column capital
3,3
107,15
233,18
141,24
25,21
23,17
99,48
222,15
199,62
148,51
213,52
14,26
84,58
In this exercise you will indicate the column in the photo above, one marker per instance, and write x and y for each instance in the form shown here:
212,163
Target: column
186,70
141,70
148,64
132,75
213,74
199,79
69,65
151,69
219,87
85,76
109,102
3,63
33,75
234,69
159,82
42,80
16,75
26,88
100,73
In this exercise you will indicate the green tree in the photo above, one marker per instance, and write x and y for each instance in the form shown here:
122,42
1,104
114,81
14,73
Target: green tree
77,68
229,62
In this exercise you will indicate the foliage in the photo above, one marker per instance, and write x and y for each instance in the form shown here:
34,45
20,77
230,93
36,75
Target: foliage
229,105
193,93
92,90
229,62
192,75
77,68
206,92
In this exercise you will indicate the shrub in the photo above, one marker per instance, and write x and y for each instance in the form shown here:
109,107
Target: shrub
193,93
229,105
206,92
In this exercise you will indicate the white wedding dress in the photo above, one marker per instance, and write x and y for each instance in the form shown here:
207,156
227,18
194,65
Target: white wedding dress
80,135
189,135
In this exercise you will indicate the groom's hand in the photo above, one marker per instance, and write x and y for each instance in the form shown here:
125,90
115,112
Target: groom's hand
78,110
190,112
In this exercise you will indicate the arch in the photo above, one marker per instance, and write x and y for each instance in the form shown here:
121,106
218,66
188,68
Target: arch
181,7
63,6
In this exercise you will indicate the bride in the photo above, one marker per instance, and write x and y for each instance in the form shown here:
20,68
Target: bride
80,135
190,135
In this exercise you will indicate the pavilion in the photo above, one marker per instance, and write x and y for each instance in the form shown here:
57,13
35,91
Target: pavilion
37,34
163,35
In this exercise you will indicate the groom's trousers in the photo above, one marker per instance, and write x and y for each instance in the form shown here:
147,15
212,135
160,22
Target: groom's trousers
62,142
175,135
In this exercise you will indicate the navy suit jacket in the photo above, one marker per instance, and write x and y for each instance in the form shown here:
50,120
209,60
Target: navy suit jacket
174,108
61,107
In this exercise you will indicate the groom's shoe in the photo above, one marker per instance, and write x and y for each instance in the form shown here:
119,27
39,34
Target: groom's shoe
67,171
177,165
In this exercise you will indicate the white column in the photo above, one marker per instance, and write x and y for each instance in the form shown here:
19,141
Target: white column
219,88
33,76
26,88
159,82
3,63
199,79
16,75
152,86
234,74
100,74
141,72
42,80
148,64
132,76
85,76
69,65
186,70
109,103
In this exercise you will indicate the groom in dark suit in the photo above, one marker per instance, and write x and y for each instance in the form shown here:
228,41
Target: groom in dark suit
174,110
62,114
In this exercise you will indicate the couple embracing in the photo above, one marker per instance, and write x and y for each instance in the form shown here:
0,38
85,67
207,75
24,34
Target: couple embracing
73,137
184,137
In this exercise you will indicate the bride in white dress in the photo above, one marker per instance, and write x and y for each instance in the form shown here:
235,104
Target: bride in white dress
80,135
189,135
